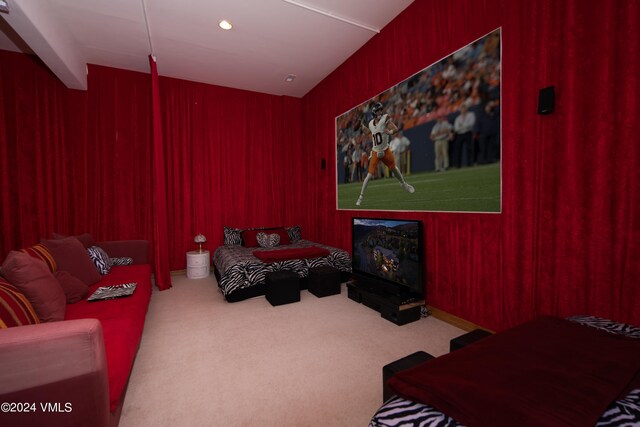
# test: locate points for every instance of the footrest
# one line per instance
(399, 365)
(282, 287)
(324, 281)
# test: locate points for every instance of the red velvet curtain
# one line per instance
(568, 238)
(227, 161)
(159, 188)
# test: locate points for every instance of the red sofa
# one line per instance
(75, 371)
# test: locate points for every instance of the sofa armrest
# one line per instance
(136, 249)
(57, 369)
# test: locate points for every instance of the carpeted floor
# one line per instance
(318, 362)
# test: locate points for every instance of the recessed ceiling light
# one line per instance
(290, 78)
(225, 25)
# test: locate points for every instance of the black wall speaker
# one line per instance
(323, 164)
(546, 100)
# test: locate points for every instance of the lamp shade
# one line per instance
(199, 239)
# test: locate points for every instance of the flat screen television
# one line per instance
(388, 254)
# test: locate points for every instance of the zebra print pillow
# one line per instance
(100, 259)
(268, 240)
(120, 261)
(232, 236)
(294, 233)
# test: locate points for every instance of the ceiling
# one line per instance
(270, 39)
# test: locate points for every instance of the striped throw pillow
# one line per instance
(40, 252)
(15, 308)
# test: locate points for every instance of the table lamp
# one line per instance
(199, 239)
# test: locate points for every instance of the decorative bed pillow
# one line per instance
(249, 237)
(15, 308)
(268, 240)
(100, 259)
(232, 236)
(73, 288)
(70, 255)
(34, 279)
(295, 233)
(125, 260)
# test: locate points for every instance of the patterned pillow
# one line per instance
(294, 233)
(100, 259)
(41, 252)
(268, 240)
(232, 236)
(15, 308)
(120, 261)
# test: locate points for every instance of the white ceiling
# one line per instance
(270, 38)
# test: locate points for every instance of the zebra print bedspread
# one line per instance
(624, 412)
(239, 269)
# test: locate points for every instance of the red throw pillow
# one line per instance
(250, 240)
(71, 256)
(74, 289)
(34, 279)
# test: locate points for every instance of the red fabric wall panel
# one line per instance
(568, 238)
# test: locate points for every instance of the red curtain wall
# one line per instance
(567, 241)
(568, 238)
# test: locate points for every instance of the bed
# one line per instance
(598, 383)
(241, 273)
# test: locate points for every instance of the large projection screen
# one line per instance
(429, 143)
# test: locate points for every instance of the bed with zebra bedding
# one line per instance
(625, 411)
(241, 275)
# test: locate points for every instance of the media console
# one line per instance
(397, 308)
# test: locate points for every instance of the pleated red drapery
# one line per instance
(160, 206)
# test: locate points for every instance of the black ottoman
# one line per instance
(282, 287)
(400, 365)
(468, 338)
(324, 281)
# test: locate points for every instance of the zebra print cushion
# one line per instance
(624, 412)
(294, 233)
(100, 259)
(121, 261)
(268, 240)
(232, 236)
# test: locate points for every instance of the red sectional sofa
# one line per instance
(74, 371)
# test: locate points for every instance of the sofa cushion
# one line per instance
(100, 259)
(74, 289)
(70, 255)
(15, 308)
(40, 252)
(85, 238)
(122, 322)
(34, 279)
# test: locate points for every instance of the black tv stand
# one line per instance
(398, 307)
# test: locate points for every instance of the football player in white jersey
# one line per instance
(381, 127)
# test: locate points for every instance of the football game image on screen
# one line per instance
(430, 142)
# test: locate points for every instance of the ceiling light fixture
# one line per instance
(225, 25)
(290, 78)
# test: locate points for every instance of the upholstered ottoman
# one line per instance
(400, 365)
(282, 287)
(324, 281)
(468, 338)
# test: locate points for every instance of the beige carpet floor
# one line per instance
(205, 362)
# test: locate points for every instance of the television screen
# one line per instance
(390, 251)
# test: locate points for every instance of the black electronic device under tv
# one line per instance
(388, 255)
